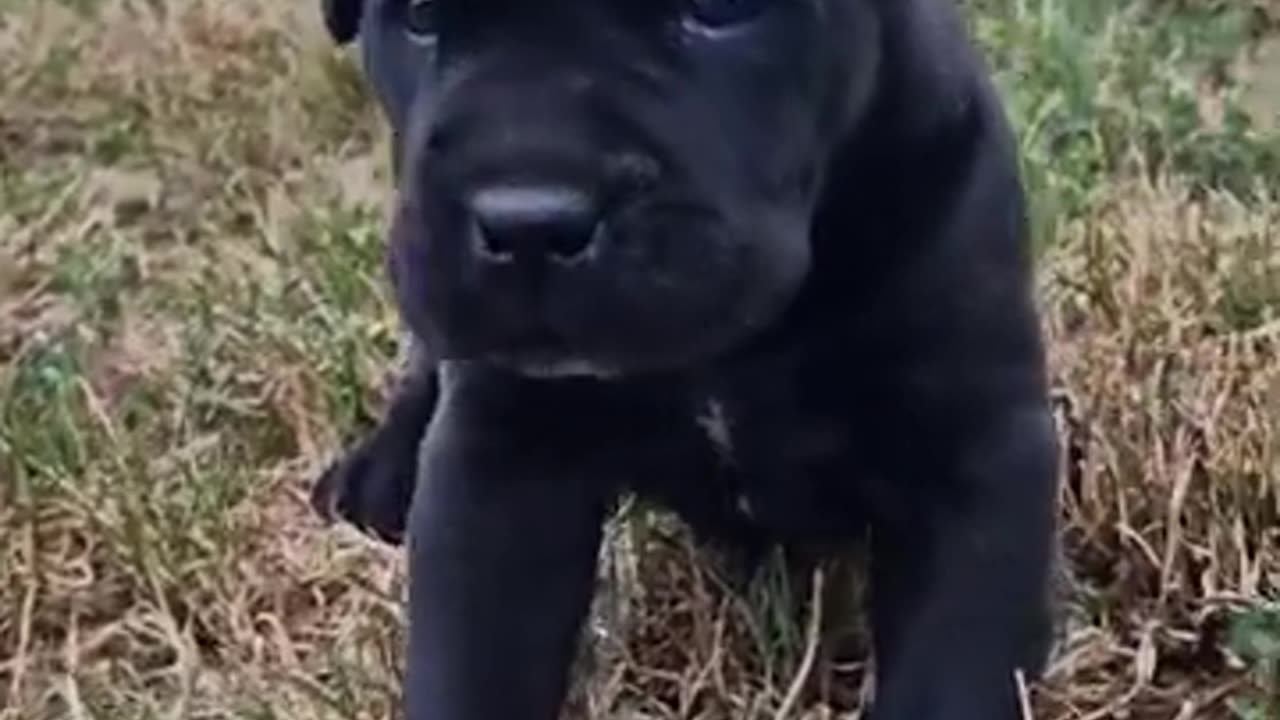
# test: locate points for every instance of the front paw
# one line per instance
(370, 490)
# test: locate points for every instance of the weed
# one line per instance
(1255, 636)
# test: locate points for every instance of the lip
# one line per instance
(558, 368)
(552, 363)
(544, 354)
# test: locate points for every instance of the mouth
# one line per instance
(560, 368)
(544, 355)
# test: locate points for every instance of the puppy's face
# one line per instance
(607, 186)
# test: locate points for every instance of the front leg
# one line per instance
(503, 537)
(371, 484)
(961, 572)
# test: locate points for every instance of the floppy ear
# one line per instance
(342, 17)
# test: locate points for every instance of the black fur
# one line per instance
(342, 19)
(807, 227)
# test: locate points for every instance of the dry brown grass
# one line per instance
(192, 317)
(1170, 385)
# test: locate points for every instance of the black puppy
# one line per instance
(619, 218)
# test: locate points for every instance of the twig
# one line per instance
(810, 650)
(1024, 694)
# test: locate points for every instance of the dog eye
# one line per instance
(721, 13)
(420, 19)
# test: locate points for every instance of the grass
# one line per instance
(193, 318)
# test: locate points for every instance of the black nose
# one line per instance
(534, 223)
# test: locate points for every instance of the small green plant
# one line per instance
(1255, 637)
(1106, 88)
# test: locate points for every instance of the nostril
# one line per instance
(535, 221)
(573, 243)
(495, 242)
(440, 138)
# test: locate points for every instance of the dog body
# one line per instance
(762, 260)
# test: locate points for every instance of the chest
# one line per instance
(790, 455)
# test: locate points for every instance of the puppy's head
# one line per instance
(606, 186)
